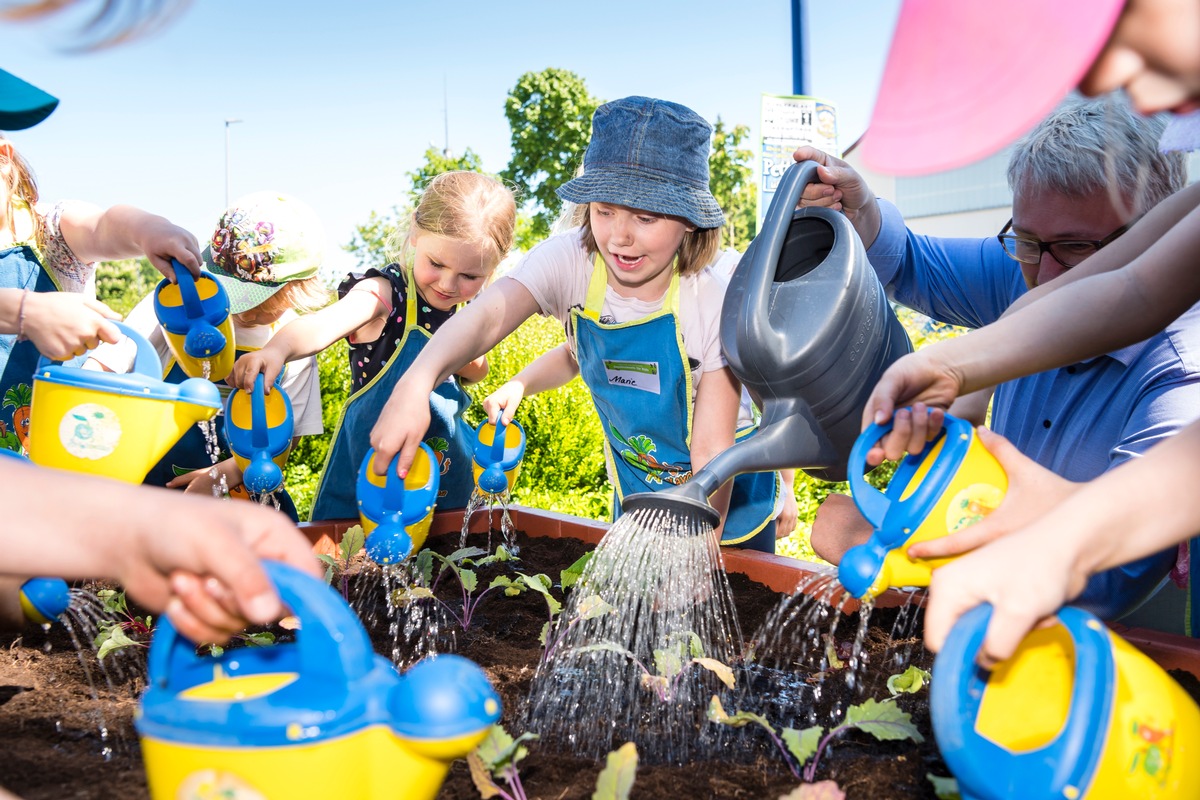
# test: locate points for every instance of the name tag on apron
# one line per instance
(634, 374)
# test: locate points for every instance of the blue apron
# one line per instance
(190, 453)
(640, 380)
(20, 268)
(449, 435)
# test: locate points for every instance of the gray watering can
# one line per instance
(807, 329)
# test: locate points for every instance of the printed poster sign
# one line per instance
(789, 121)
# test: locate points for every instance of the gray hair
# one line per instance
(1086, 146)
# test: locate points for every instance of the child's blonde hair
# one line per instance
(697, 250)
(465, 207)
(22, 187)
(304, 296)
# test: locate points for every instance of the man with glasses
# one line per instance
(1079, 181)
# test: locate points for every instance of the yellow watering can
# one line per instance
(496, 460)
(320, 717)
(194, 314)
(118, 425)
(1077, 713)
(396, 514)
(258, 427)
(952, 483)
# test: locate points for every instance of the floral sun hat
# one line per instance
(263, 241)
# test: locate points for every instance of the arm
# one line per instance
(60, 324)
(1100, 308)
(714, 422)
(309, 335)
(473, 371)
(550, 370)
(94, 234)
(785, 523)
(205, 574)
(1147, 505)
(470, 333)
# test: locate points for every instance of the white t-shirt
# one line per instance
(557, 273)
(300, 379)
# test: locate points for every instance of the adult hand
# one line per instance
(505, 399)
(841, 189)
(1032, 492)
(64, 324)
(401, 425)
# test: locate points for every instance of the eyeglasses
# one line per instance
(1068, 252)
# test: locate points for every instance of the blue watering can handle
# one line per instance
(498, 438)
(330, 631)
(146, 361)
(259, 438)
(393, 490)
(187, 291)
(957, 693)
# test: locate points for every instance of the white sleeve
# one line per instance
(555, 273)
(119, 357)
(303, 386)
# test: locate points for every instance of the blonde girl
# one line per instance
(461, 229)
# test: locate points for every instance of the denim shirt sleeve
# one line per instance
(966, 282)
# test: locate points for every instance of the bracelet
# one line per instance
(21, 317)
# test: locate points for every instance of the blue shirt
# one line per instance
(1077, 421)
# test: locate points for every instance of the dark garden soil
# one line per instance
(52, 718)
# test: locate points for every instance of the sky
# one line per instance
(337, 101)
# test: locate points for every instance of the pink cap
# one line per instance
(965, 78)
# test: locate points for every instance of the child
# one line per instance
(1127, 291)
(266, 251)
(461, 229)
(642, 315)
(46, 250)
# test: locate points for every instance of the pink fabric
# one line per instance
(964, 79)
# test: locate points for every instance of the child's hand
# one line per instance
(1032, 492)
(785, 523)
(161, 240)
(505, 399)
(198, 559)
(203, 481)
(911, 430)
(401, 425)
(63, 324)
(249, 365)
(915, 378)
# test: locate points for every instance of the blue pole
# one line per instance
(799, 51)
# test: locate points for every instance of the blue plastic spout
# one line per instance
(44, 599)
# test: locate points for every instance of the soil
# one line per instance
(52, 717)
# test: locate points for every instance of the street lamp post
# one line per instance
(228, 122)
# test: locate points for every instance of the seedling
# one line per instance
(497, 757)
(349, 561)
(671, 663)
(882, 719)
(123, 631)
(458, 563)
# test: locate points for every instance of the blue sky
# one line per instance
(339, 100)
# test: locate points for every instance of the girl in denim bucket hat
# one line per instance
(641, 313)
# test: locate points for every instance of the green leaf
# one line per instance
(543, 634)
(667, 663)
(908, 682)
(261, 639)
(883, 720)
(616, 779)
(463, 554)
(481, 776)
(802, 744)
(739, 719)
(606, 647)
(403, 596)
(593, 606)
(500, 750)
(469, 579)
(352, 541)
(215, 650)
(423, 566)
(944, 788)
(571, 575)
(116, 640)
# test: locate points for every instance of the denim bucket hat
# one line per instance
(651, 155)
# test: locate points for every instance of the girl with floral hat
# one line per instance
(641, 313)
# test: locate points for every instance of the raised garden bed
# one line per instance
(51, 719)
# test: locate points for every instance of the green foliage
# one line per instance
(497, 758)
(304, 464)
(121, 629)
(563, 467)
(550, 116)
(615, 781)
(911, 681)
(437, 162)
(944, 788)
(368, 245)
(731, 179)
(121, 284)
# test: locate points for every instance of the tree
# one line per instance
(437, 162)
(732, 183)
(550, 116)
